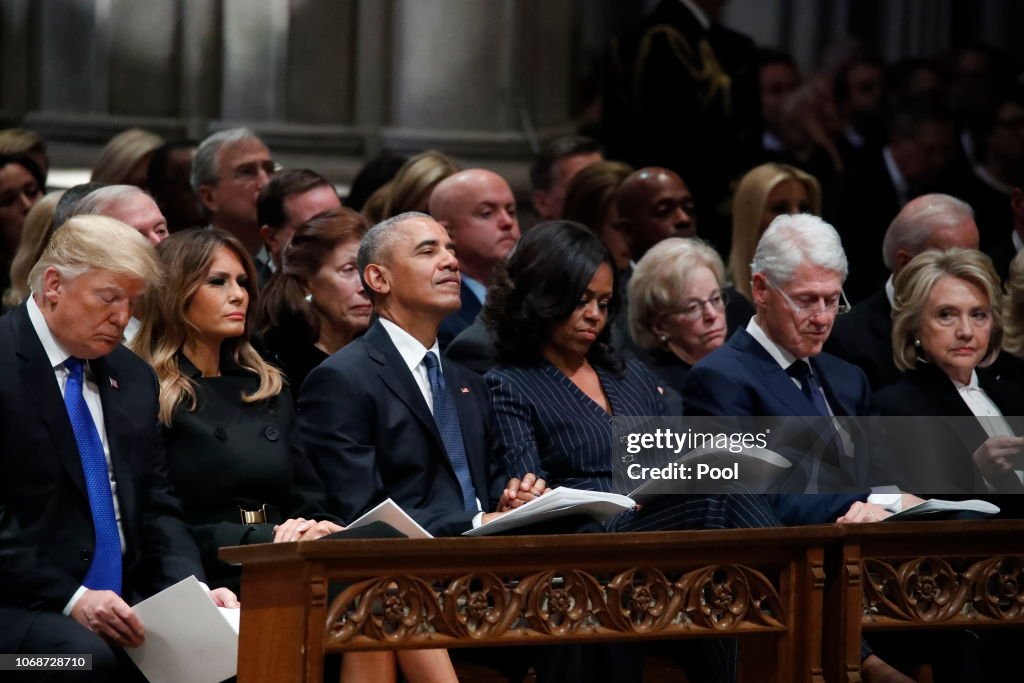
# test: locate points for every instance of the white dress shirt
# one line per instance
(91, 393)
(413, 353)
(899, 182)
(892, 502)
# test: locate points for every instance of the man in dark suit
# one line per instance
(775, 367)
(382, 418)
(479, 210)
(864, 335)
(87, 520)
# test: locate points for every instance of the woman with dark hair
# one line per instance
(316, 304)
(559, 382)
(21, 186)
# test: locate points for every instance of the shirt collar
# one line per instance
(697, 13)
(890, 292)
(972, 385)
(409, 348)
(783, 357)
(54, 351)
(898, 181)
(478, 288)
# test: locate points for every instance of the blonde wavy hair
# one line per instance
(186, 257)
(1013, 309)
(747, 206)
(914, 285)
(410, 189)
(35, 235)
(122, 154)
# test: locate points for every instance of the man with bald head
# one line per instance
(653, 204)
(478, 209)
(864, 335)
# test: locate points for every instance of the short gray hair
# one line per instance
(99, 201)
(918, 220)
(792, 240)
(376, 245)
(205, 168)
(87, 243)
(657, 283)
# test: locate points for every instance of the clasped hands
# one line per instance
(516, 493)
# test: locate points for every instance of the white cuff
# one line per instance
(74, 599)
(893, 502)
(478, 519)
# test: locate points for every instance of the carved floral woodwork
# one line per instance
(936, 589)
(554, 603)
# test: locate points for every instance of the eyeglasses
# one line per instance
(832, 305)
(694, 309)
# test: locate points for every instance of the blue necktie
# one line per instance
(105, 571)
(451, 434)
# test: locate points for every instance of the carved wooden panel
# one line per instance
(561, 604)
(944, 590)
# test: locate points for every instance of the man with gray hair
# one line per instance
(131, 206)
(775, 367)
(384, 418)
(228, 172)
(88, 524)
(864, 337)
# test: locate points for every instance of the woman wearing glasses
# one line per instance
(947, 325)
(559, 382)
(677, 306)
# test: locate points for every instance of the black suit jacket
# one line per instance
(474, 348)
(1002, 256)
(363, 423)
(864, 337)
(46, 532)
(941, 449)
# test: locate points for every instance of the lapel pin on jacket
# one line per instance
(113, 383)
(465, 390)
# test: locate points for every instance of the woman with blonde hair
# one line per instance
(765, 192)
(677, 306)
(35, 235)
(125, 159)
(410, 189)
(947, 327)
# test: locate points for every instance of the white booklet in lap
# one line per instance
(934, 506)
(389, 513)
(188, 638)
(559, 502)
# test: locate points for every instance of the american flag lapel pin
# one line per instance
(465, 390)
(113, 383)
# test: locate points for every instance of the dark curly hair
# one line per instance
(540, 286)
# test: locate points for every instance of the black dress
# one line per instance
(227, 454)
(293, 349)
(945, 446)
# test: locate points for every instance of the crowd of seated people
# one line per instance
(196, 308)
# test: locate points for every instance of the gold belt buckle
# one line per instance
(254, 516)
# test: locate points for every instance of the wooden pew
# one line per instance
(765, 586)
(920, 576)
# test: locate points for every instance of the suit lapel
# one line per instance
(37, 377)
(396, 376)
(775, 379)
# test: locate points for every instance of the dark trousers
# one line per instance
(50, 633)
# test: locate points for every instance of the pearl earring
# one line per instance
(663, 338)
(309, 298)
(917, 342)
